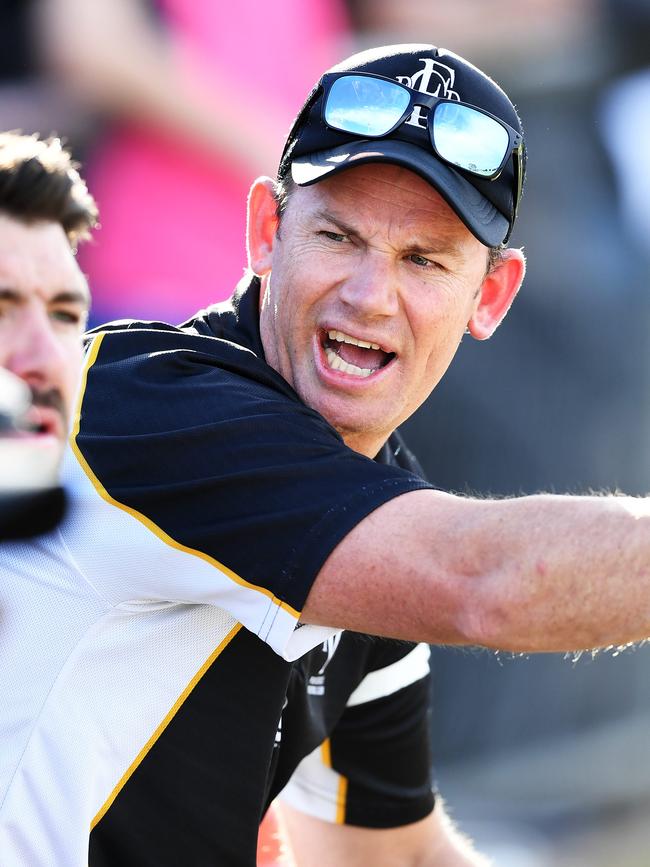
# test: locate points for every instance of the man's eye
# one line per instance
(334, 236)
(420, 261)
(67, 317)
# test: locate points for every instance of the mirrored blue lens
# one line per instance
(365, 106)
(468, 138)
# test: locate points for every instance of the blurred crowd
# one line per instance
(175, 105)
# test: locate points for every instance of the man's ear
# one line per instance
(497, 293)
(261, 225)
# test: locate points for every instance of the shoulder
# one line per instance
(150, 376)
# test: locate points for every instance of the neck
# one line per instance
(364, 443)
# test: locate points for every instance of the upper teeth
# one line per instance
(345, 338)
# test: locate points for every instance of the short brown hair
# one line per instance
(40, 181)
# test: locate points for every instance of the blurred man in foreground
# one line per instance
(45, 210)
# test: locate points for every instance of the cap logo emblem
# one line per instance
(435, 79)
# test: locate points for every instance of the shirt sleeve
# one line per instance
(375, 768)
(199, 476)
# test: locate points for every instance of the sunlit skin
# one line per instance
(44, 303)
(376, 253)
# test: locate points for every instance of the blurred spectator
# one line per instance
(503, 33)
(200, 95)
(625, 116)
(45, 211)
(29, 100)
(625, 121)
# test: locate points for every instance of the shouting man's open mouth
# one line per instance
(352, 355)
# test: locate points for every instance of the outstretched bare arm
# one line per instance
(540, 573)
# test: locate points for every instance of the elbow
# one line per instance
(485, 617)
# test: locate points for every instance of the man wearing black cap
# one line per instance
(444, 104)
(240, 494)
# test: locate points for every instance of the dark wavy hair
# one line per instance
(40, 181)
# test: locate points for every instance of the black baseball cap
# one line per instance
(314, 150)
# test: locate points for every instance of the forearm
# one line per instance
(432, 842)
(558, 573)
(448, 846)
(541, 573)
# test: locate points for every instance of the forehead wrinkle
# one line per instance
(413, 240)
(436, 226)
(42, 270)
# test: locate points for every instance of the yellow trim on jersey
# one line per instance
(326, 753)
(163, 725)
(342, 789)
(341, 800)
(148, 523)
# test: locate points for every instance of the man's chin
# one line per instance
(360, 431)
(29, 461)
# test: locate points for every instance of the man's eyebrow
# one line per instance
(70, 296)
(427, 246)
(65, 296)
(337, 221)
(441, 247)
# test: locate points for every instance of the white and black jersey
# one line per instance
(157, 689)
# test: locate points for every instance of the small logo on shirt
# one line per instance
(278, 734)
(316, 683)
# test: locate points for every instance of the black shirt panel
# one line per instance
(382, 749)
(190, 428)
(197, 434)
(197, 797)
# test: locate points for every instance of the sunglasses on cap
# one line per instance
(462, 135)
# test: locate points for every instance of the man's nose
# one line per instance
(34, 350)
(373, 288)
